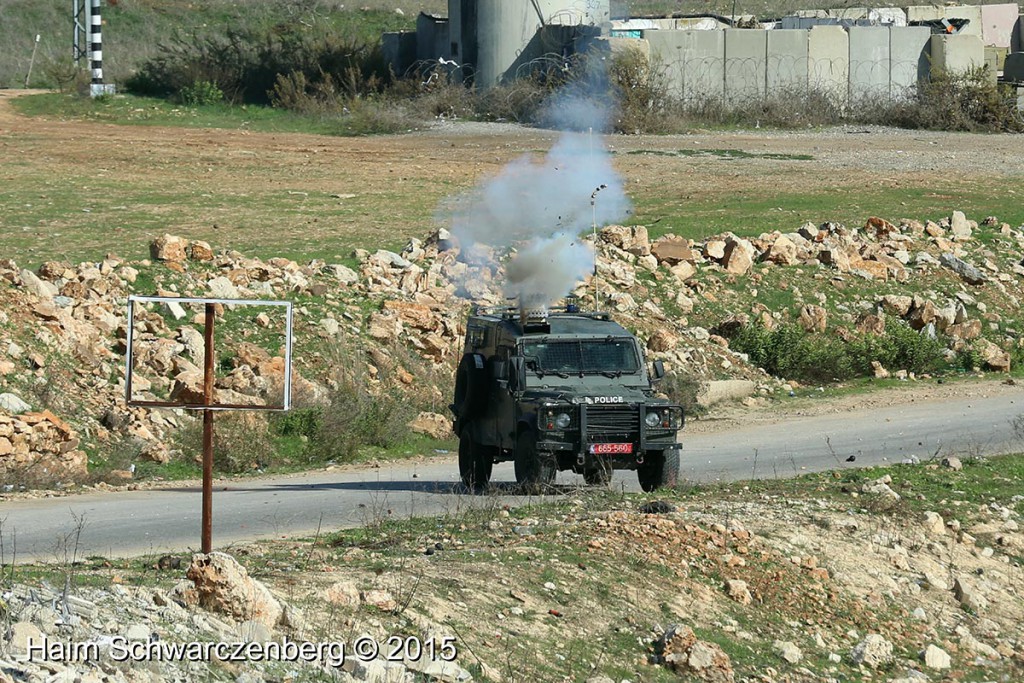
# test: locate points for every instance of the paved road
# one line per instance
(164, 520)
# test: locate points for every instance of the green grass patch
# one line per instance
(133, 110)
(769, 206)
(723, 154)
(922, 487)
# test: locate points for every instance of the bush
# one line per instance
(200, 93)
(788, 351)
(520, 101)
(241, 442)
(374, 410)
(643, 102)
(246, 64)
(298, 422)
(358, 417)
(969, 101)
(682, 389)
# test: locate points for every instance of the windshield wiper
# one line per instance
(611, 374)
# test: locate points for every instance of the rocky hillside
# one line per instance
(908, 575)
(394, 322)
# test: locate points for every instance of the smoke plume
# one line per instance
(546, 203)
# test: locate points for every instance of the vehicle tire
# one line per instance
(470, 386)
(659, 469)
(599, 475)
(533, 472)
(475, 463)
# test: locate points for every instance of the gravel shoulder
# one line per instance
(724, 417)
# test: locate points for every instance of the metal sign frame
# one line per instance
(208, 406)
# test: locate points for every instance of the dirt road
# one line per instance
(157, 520)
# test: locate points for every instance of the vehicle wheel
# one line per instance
(599, 475)
(660, 468)
(470, 386)
(475, 463)
(532, 471)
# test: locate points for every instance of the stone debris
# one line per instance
(738, 591)
(684, 653)
(418, 299)
(934, 524)
(787, 651)
(13, 404)
(874, 651)
(169, 248)
(38, 448)
(434, 425)
(934, 657)
(953, 463)
(223, 586)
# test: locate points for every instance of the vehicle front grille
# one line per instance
(613, 420)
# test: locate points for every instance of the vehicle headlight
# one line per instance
(672, 418)
(556, 417)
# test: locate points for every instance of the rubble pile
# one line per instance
(63, 327)
(131, 634)
(772, 587)
(39, 447)
(881, 253)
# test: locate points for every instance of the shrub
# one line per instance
(376, 116)
(246, 64)
(241, 442)
(200, 93)
(520, 101)
(968, 101)
(788, 351)
(298, 422)
(683, 388)
(643, 102)
(373, 410)
(358, 417)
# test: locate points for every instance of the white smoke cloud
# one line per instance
(545, 202)
(547, 268)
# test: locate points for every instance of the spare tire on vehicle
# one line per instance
(470, 386)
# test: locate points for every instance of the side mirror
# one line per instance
(658, 372)
(517, 373)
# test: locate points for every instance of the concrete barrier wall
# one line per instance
(828, 61)
(957, 53)
(908, 59)
(693, 62)
(741, 65)
(399, 50)
(787, 67)
(432, 41)
(998, 23)
(667, 53)
(869, 62)
(745, 64)
(930, 13)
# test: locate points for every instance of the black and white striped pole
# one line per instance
(97, 86)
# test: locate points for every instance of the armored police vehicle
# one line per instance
(560, 390)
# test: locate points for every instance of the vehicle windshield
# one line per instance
(609, 356)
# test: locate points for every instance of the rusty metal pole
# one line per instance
(208, 377)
